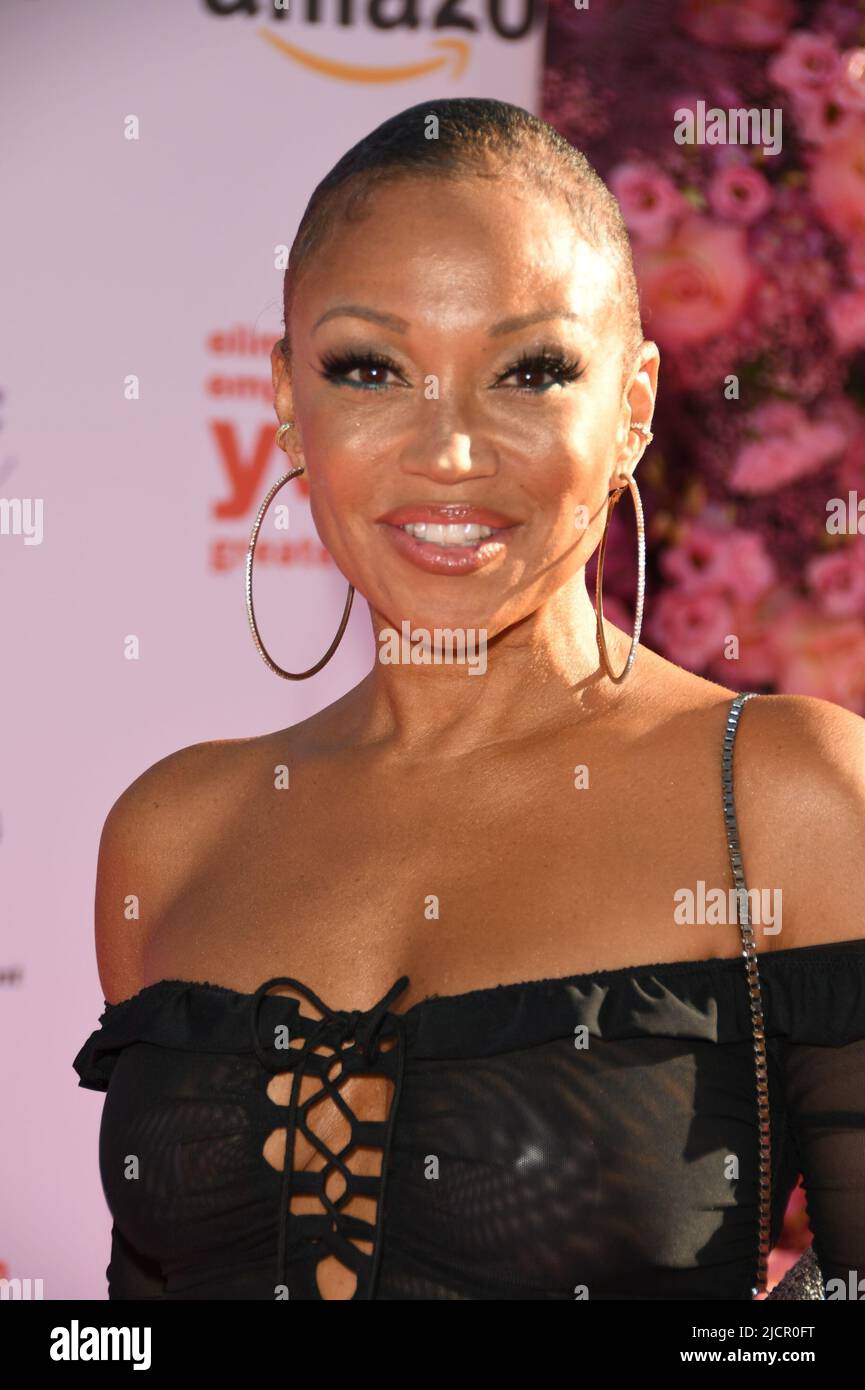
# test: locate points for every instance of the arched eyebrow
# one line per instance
(523, 320)
(398, 325)
(359, 311)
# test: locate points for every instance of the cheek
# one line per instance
(337, 460)
(569, 470)
(570, 491)
(342, 494)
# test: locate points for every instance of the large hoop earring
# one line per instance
(250, 556)
(641, 578)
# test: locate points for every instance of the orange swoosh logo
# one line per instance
(456, 53)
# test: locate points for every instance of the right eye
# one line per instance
(336, 367)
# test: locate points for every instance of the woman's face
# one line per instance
(412, 406)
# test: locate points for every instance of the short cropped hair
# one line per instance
(481, 138)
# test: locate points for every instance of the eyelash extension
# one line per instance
(564, 369)
(336, 366)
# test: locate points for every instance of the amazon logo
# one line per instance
(449, 52)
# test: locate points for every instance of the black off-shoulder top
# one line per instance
(593, 1136)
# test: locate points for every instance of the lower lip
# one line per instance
(449, 559)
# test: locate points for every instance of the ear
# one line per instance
(280, 375)
(638, 405)
(283, 400)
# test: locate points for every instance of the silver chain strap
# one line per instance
(755, 999)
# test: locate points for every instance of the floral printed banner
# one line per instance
(733, 134)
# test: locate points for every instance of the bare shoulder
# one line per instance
(807, 746)
(829, 736)
(783, 737)
(151, 840)
(165, 825)
(799, 782)
(799, 795)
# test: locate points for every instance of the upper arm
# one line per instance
(799, 786)
(824, 1090)
(825, 1102)
(803, 768)
(145, 850)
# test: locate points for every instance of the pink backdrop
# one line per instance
(139, 258)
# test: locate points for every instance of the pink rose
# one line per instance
(850, 469)
(737, 23)
(806, 63)
(740, 192)
(692, 628)
(776, 417)
(693, 561)
(649, 200)
(838, 580)
(820, 656)
(734, 562)
(851, 86)
(787, 446)
(838, 183)
(755, 662)
(750, 570)
(845, 314)
(820, 120)
(695, 285)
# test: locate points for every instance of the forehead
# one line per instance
(459, 255)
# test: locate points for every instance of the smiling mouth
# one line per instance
(452, 534)
(449, 548)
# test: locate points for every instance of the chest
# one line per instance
(346, 876)
(628, 1168)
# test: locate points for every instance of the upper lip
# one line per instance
(447, 514)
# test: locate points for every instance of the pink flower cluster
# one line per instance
(728, 612)
(826, 87)
(741, 23)
(695, 264)
(784, 445)
(734, 261)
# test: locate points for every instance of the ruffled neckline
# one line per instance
(812, 994)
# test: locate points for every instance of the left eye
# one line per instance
(559, 368)
(337, 367)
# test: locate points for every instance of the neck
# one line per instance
(537, 675)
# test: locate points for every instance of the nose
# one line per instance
(449, 460)
(446, 448)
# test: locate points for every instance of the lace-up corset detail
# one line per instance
(335, 1051)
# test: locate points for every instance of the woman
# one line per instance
(451, 955)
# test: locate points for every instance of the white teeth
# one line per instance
(461, 533)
